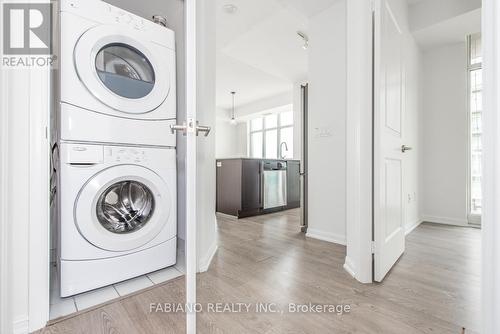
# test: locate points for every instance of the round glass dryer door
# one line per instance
(120, 71)
(123, 208)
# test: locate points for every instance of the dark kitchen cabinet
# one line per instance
(239, 190)
(251, 187)
(240, 186)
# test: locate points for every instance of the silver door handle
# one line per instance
(178, 127)
(205, 129)
(405, 148)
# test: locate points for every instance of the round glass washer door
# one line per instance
(125, 207)
(120, 71)
(122, 208)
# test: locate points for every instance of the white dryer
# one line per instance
(117, 214)
(117, 76)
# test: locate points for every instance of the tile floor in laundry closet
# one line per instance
(60, 307)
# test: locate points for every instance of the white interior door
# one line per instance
(192, 130)
(389, 235)
(190, 12)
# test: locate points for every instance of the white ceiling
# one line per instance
(259, 52)
(249, 83)
(450, 31)
(412, 2)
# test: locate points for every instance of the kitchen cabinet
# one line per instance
(240, 186)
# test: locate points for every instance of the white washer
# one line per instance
(117, 76)
(117, 214)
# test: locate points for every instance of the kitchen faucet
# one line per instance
(281, 150)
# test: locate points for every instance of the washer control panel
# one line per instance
(125, 155)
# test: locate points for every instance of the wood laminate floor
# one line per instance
(434, 288)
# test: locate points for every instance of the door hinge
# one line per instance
(373, 247)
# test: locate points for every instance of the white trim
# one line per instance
(225, 215)
(349, 267)
(190, 10)
(474, 220)
(326, 236)
(207, 259)
(409, 228)
(445, 220)
(490, 278)
(21, 325)
(39, 184)
(5, 320)
(359, 139)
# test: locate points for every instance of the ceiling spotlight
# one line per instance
(230, 8)
(305, 39)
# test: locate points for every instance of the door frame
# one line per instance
(191, 156)
(35, 119)
(359, 149)
(490, 277)
(359, 158)
(5, 318)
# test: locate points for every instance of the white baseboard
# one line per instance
(445, 220)
(21, 325)
(349, 267)
(225, 215)
(205, 262)
(326, 236)
(409, 228)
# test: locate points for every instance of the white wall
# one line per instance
(230, 140)
(445, 134)
(327, 124)
(412, 132)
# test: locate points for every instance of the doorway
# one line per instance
(427, 127)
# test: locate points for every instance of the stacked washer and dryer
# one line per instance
(117, 159)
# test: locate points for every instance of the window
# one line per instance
(271, 136)
(475, 122)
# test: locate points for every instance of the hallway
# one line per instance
(433, 289)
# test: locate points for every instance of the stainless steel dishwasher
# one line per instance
(274, 177)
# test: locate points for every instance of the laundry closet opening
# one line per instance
(117, 225)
